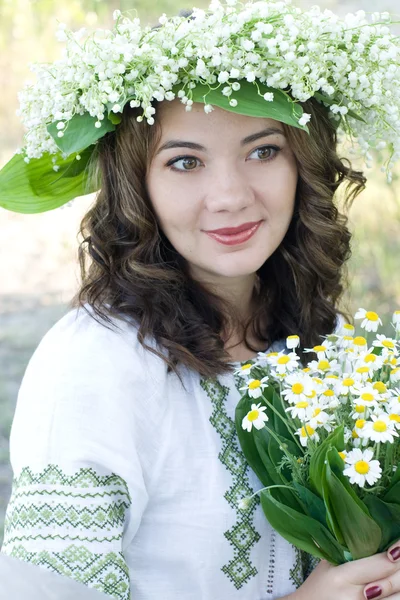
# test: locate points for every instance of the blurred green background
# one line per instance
(38, 253)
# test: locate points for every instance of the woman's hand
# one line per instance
(371, 578)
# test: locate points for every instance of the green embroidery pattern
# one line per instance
(242, 536)
(296, 572)
(75, 521)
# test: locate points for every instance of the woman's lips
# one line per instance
(235, 238)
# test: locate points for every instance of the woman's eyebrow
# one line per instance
(194, 146)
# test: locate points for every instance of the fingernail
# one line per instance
(373, 592)
(395, 553)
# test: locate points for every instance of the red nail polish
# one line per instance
(373, 592)
(395, 553)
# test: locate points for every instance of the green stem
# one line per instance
(378, 449)
(285, 421)
(281, 446)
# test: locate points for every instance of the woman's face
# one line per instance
(210, 177)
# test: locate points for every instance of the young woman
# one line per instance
(127, 469)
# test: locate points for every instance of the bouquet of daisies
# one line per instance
(324, 440)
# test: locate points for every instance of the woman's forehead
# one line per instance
(176, 121)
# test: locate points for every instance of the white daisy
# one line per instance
(362, 374)
(367, 396)
(299, 409)
(370, 360)
(318, 417)
(306, 435)
(300, 386)
(380, 429)
(361, 412)
(361, 468)
(359, 345)
(292, 342)
(395, 375)
(329, 397)
(396, 319)
(244, 369)
(322, 351)
(284, 363)
(371, 320)
(346, 330)
(347, 384)
(255, 387)
(255, 417)
(324, 365)
(388, 344)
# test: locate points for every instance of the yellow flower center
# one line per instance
(380, 387)
(360, 423)
(363, 370)
(394, 417)
(348, 327)
(348, 338)
(331, 377)
(348, 382)
(323, 365)
(361, 467)
(302, 404)
(328, 393)
(293, 337)
(316, 412)
(253, 415)
(388, 344)
(297, 388)
(317, 380)
(367, 397)
(391, 361)
(246, 366)
(370, 358)
(342, 454)
(359, 341)
(253, 385)
(360, 409)
(314, 393)
(319, 348)
(354, 434)
(306, 369)
(379, 426)
(272, 354)
(371, 316)
(283, 360)
(310, 431)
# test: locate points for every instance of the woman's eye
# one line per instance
(266, 153)
(189, 163)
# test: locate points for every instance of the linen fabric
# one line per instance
(129, 483)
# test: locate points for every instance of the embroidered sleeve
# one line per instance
(72, 524)
(76, 448)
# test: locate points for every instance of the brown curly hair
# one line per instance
(135, 273)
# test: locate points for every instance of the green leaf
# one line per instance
(331, 101)
(335, 440)
(300, 530)
(262, 439)
(35, 187)
(388, 518)
(393, 491)
(360, 533)
(315, 507)
(250, 103)
(79, 133)
(247, 443)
